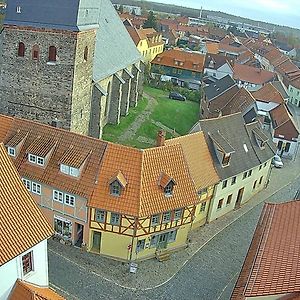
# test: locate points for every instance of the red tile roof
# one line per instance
(22, 224)
(180, 59)
(271, 266)
(252, 74)
(268, 93)
(26, 291)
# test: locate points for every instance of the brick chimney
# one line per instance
(161, 137)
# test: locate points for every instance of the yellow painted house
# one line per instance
(147, 40)
(144, 203)
(202, 171)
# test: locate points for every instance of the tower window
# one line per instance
(52, 53)
(21, 49)
(35, 52)
(86, 53)
(18, 9)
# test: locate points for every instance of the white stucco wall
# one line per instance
(294, 95)
(12, 270)
(266, 106)
(219, 73)
(247, 183)
(292, 150)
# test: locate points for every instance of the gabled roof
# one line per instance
(172, 58)
(142, 195)
(215, 61)
(165, 179)
(268, 93)
(271, 266)
(68, 147)
(234, 131)
(198, 158)
(22, 224)
(283, 123)
(281, 89)
(219, 87)
(26, 291)
(252, 74)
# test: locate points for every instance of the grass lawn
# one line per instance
(178, 115)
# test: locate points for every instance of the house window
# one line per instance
(169, 189)
(279, 145)
(36, 188)
(224, 184)
(69, 200)
(36, 159)
(18, 9)
(35, 52)
(140, 245)
(63, 227)
(229, 198)
(27, 263)
(220, 203)
(249, 173)
(40, 160)
(166, 217)
(74, 172)
(202, 207)
(52, 54)
(86, 53)
(64, 169)
(21, 49)
(58, 196)
(11, 151)
(27, 184)
(178, 214)
(115, 219)
(100, 215)
(32, 158)
(115, 188)
(245, 175)
(155, 220)
(287, 147)
(154, 240)
(233, 180)
(260, 179)
(172, 236)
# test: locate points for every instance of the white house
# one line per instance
(24, 232)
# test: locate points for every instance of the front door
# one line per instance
(163, 241)
(239, 198)
(96, 241)
(79, 235)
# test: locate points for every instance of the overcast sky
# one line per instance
(283, 12)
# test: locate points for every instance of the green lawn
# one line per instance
(176, 115)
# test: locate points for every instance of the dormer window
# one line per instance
(68, 170)
(167, 183)
(117, 184)
(260, 138)
(226, 159)
(11, 151)
(38, 160)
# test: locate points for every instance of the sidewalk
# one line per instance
(151, 273)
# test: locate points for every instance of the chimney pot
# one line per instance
(161, 137)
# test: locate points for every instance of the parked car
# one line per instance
(177, 96)
(277, 162)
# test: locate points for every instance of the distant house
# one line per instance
(284, 131)
(271, 266)
(242, 155)
(251, 78)
(182, 67)
(218, 66)
(148, 41)
(224, 97)
(294, 91)
(286, 49)
(24, 232)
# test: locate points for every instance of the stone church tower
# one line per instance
(56, 64)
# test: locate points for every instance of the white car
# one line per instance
(277, 162)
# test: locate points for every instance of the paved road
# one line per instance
(210, 274)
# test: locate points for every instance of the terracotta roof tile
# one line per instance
(26, 291)
(268, 93)
(272, 264)
(22, 223)
(212, 48)
(198, 158)
(252, 74)
(190, 61)
(68, 147)
(5, 123)
(164, 179)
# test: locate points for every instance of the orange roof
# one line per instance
(198, 158)
(143, 196)
(26, 291)
(68, 147)
(5, 123)
(268, 93)
(212, 48)
(271, 266)
(252, 74)
(22, 224)
(180, 59)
